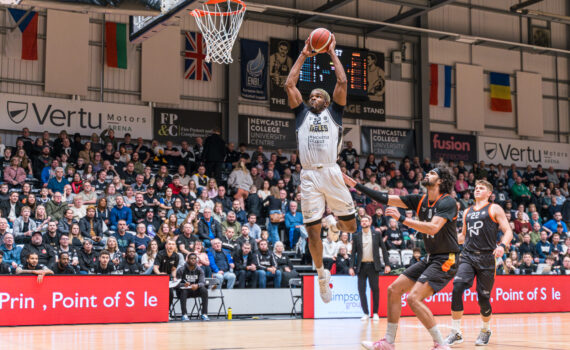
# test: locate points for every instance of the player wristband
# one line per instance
(402, 218)
(503, 245)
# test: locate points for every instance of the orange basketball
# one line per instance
(320, 39)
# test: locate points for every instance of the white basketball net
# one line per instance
(219, 22)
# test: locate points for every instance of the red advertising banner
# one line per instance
(511, 294)
(85, 299)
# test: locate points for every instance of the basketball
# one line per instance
(320, 39)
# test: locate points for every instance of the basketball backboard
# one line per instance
(144, 27)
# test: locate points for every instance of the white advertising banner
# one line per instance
(345, 301)
(495, 150)
(85, 117)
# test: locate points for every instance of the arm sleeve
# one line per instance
(446, 208)
(411, 201)
(376, 195)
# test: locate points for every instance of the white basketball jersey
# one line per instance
(319, 136)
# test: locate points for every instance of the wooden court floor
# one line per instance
(520, 331)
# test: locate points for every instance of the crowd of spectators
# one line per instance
(108, 206)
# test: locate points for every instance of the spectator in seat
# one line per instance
(527, 267)
(92, 226)
(51, 237)
(64, 224)
(245, 237)
(105, 266)
(208, 228)
(11, 252)
(344, 242)
(45, 253)
(565, 269)
(203, 260)
(200, 178)
(221, 263)
(543, 247)
(130, 265)
(15, 175)
(32, 266)
(526, 246)
(12, 208)
(58, 182)
(284, 265)
(147, 260)
(245, 269)
(121, 212)
(520, 192)
(222, 198)
(112, 248)
(231, 222)
(553, 223)
(141, 241)
(330, 251)
(556, 245)
(187, 239)
(254, 229)
(124, 238)
(295, 227)
(506, 268)
(204, 201)
(266, 265)
(66, 247)
(88, 195)
(240, 182)
(229, 242)
(56, 208)
(88, 258)
(342, 261)
(395, 237)
(241, 215)
(24, 226)
(254, 205)
(78, 208)
(62, 266)
(193, 285)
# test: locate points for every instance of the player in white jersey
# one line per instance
(319, 136)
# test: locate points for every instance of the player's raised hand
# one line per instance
(349, 181)
(307, 49)
(332, 46)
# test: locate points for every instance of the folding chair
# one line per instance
(394, 258)
(171, 312)
(295, 284)
(215, 292)
(407, 256)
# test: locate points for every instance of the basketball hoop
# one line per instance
(219, 21)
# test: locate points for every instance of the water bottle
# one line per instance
(229, 313)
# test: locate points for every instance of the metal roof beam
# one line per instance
(328, 7)
(422, 4)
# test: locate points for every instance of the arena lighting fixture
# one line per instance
(466, 40)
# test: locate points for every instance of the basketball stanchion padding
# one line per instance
(219, 21)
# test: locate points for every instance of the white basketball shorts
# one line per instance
(321, 186)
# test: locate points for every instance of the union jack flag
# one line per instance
(195, 65)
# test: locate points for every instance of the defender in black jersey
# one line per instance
(481, 225)
(437, 212)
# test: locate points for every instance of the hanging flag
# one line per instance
(500, 92)
(195, 65)
(440, 92)
(116, 44)
(22, 41)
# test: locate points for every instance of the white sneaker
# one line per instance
(375, 318)
(324, 286)
(364, 318)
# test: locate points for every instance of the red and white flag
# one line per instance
(22, 40)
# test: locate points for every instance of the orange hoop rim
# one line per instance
(202, 13)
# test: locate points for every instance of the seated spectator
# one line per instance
(178, 210)
(24, 226)
(105, 266)
(45, 253)
(112, 248)
(15, 175)
(221, 263)
(204, 201)
(12, 208)
(294, 226)
(51, 237)
(240, 182)
(507, 267)
(151, 222)
(147, 260)
(330, 251)
(64, 224)
(65, 246)
(203, 260)
(200, 178)
(130, 265)
(527, 267)
(56, 208)
(520, 222)
(342, 261)
(63, 266)
(88, 195)
(77, 239)
(266, 266)
(167, 260)
(229, 242)
(124, 238)
(526, 246)
(88, 257)
(254, 229)
(164, 233)
(231, 222)
(193, 285)
(208, 228)
(186, 240)
(245, 237)
(121, 212)
(556, 245)
(245, 268)
(78, 209)
(535, 233)
(11, 252)
(241, 215)
(254, 205)
(565, 269)
(141, 241)
(92, 226)
(57, 183)
(223, 199)
(543, 247)
(553, 223)
(566, 246)
(284, 265)
(32, 266)
(416, 257)
(395, 237)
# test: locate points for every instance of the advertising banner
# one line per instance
(454, 147)
(280, 63)
(182, 124)
(267, 132)
(511, 294)
(81, 300)
(495, 150)
(254, 69)
(84, 117)
(394, 143)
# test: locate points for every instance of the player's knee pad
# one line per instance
(484, 304)
(457, 296)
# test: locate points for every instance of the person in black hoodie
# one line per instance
(105, 265)
(88, 258)
(254, 205)
(266, 266)
(130, 265)
(33, 267)
(284, 265)
(62, 266)
(46, 254)
(245, 266)
(342, 261)
(193, 285)
(214, 154)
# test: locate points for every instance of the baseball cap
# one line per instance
(36, 233)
